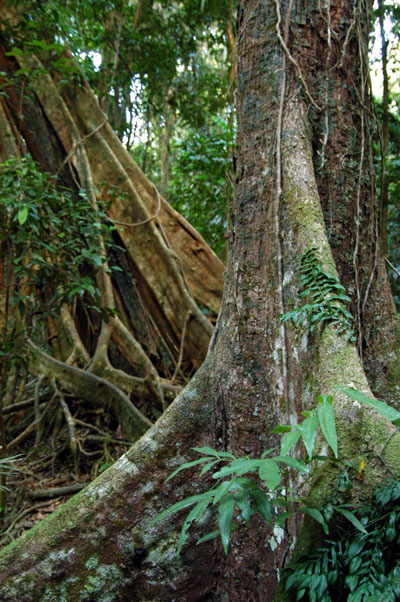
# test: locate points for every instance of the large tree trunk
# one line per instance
(168, 270)
(257, 373)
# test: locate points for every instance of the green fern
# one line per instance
(326, 298)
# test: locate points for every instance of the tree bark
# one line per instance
(169, 270)
(384, 200)
(329, 44)
(257, 373)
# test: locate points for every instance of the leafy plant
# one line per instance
(324, 417)
(49, 237)
(198, 182)
(327, 298)
(355, 566)
(243, 493)
(238, 497)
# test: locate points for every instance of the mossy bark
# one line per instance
(335, 67)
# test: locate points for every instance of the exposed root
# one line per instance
(92, 388)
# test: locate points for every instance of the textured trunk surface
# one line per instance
(99, 546)
(330, 46)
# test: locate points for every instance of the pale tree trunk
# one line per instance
(169, 270)
(257, 373)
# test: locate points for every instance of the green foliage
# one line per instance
(355, 566)
(238, 497)
(323, 416)
(238, 492)
(162, 76)
(174, 47)
(198, 179)
(50, 239)
(326, 298)
(381, 407)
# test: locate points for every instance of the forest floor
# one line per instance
(55, 451)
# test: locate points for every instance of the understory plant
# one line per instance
(51, 256)
(352, 565)
(49, 240)
(246, 486)
(49, 236)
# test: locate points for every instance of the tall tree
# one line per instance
(303, 172)
(54, 122)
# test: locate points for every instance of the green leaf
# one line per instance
(211, 535)
(326, 415)
(207, 467)
(188, 501)
(96, 259)
(213, 452)
(355, 547)
(187, 465)
(281, 518)
(243, 483)
(351, 582)
(269, 472)
(238, 467)
(352, 518)
(384, 410)
(308, 430)
(262, 504)
(293, 463)
(223, 488)
(355, 564)
(243, 501)
(194, 515)
(288, 440)
(282, 428)
(225, 515)
(316, 515)
(182, 538)
(22, 215)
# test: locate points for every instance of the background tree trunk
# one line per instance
(161, 334)
(257, 373)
